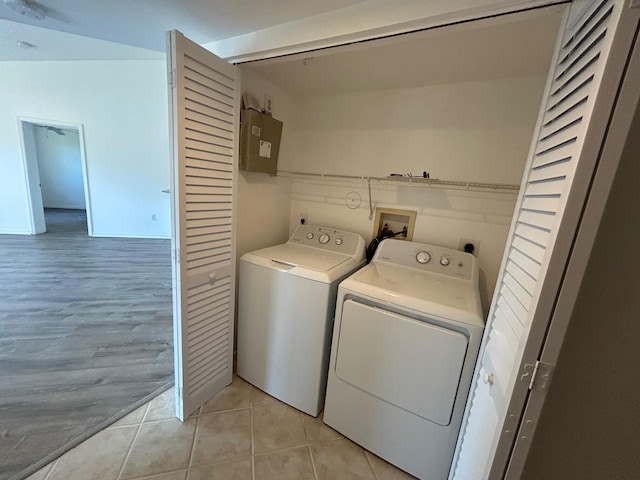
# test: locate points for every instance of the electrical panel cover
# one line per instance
(259, 142)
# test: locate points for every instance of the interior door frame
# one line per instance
(32, 170)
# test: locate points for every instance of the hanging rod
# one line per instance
(406, 181)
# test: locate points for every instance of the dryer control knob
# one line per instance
(338, 241)
(444, 261)
(324, 238)
(310, 235)
(423, 257)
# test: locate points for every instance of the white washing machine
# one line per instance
(286, 303)
(405, 341)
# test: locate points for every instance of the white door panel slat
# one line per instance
(194, 232)
(513, 325)
(207, 290)
(582, 51)
(211, 221)
(199, 99)
(207, 199)
(198, 241)
(547, 187)
(204, 138)
(529, 249)
(198, 176)
(208, 160)
(200, 267)
(207, 129)
(197, 116)
(578, 58)
(195, 110)
(503, 305)
(522, 277)
(503, 326)
(538, 236)
(526, 263)
(208, 190)
(194, 206)
(551, 171)
(210, 253)
(225, 79)
(209, 79)
(576, 79)
(197, 249)
(517, 308)
(541, 204)
(564, 133)
(573, 102)
(598, 11)
(198, 302)
(212, 148)
(208, 214)
(204, 111)
(197, 83)
(565, 123)
(518, 291)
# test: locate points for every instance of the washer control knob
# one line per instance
(423, 257)
(338, 241)
(324, 238)
(310, 235)
(444, 261)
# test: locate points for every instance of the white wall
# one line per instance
(478, 132)
(123, 108)
(60, 168)
(263, 201)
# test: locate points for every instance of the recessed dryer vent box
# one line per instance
(395, 220)
(259, 142)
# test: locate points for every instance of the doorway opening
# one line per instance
(55, 174)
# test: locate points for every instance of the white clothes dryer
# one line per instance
(286, 303)
(406, 337)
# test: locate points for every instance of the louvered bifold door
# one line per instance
(204, 111)
(534, 253)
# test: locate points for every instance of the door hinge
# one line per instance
(176, 255)
(171, 78)
(538, 375)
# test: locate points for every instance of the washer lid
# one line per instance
(301, 256)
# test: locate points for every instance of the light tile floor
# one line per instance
(241, 434)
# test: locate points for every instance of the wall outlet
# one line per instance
(154, 217)
(303, 218)
(464, 241)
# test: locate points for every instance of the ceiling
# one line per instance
(516, 45)
(143, 23)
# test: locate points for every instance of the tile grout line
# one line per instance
(53, 465)
(133, 441)
(368, 457)
(253, 446)
(193, 444)
(308, 439)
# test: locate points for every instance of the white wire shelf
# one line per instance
(354, 180)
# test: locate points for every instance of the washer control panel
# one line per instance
(433, 258)
(327, 238)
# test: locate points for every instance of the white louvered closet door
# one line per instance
(525, 288)
(204, 116)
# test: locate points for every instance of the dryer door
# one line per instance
(411, 364)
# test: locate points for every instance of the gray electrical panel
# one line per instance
(259, 142)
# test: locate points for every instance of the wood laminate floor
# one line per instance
(85, 334)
